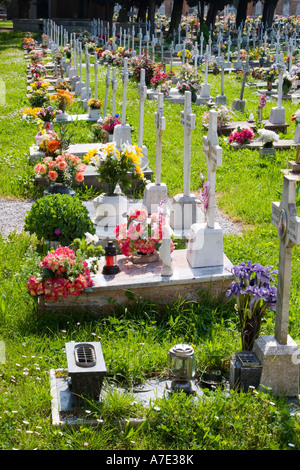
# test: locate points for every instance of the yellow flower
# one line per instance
(87, 157)
(31, 111)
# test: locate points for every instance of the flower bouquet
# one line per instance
(61, 169)
(44, 136)
(93, 103)
(47, 114)
(61, 274)
(39, 84)
(224, 116)
(38, 98)
(286, 83)
(141, 235)
(63, 85)
(110, 122)
(267, 137)
(189, 79)
(254, 295)
(38, 71)
(241, 135)
(36, 56)
(114, 166)
(64, 99)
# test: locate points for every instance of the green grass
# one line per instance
(135, 340)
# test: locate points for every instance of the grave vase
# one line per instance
(59, 188)
(94, 113)
(269, 85)
(194, 97)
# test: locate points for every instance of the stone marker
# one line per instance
(157, 192)
(122, 132)
(114, 86)
(239, 104)
(79, 84)
(222, 99)
(107, 84)
(277, 114)
(183, 211)
(205, 247)
(205, 90)
(86, 91)
(279, 354)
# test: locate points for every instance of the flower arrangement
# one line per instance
(39, 84)
(263, 100)
(93, 103)
(241, 136)
(36, 56)
(143, 62)
(67, 51)
(286, 83)
(62, 169)
(270, 74)
(159, 78)
(43, 136)
(30, 113)
(267, 137)
(64, 99)
(110, 122)
(296, 116)
(63, 85)
(38, 98)
(113, 165)
(188, 55)
(141, 234)
(254, 295)
(38, 71)
(224, 116)
(189, 79)
(47, 114)
(61, 274)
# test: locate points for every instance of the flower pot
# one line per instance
(269, 85)
(59, 188)
(194, 97)
(94, 113)
(110, 210)
(145, 258)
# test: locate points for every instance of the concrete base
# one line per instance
(267, 151)
(238, 105)
(183, 212)
(297, 134)
(205, 246)
(154, 194)
(277, 116)
(122, 134)
(221, 99)
(110, 210)
(205, 91)
(146, 282)
(280, 365)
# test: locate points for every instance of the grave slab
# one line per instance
(145, 281)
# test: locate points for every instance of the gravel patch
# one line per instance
(13, 213)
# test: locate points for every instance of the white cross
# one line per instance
(284, 217)
(96, 75)
(213, 152)
(125, 81)
(187, 120)
(114, 85)
(107, 82)
(160, 122)
(142, 97)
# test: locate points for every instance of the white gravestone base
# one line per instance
(238, 105)
(280, 365)
(205, 246)
(277, 116)
(122, 134)
(296, 138)
(110, 210)
(221, 100)
(183, 212)
(154, 194)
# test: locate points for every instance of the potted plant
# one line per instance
(62, 273)
(115, 167)
(64, 99)
(60, 172)
(58, 218)
(141, 236)
(254, 294)
(109, 124)
(267, 137)
(94, 107)
(241, 136)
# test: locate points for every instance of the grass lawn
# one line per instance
(135, 341)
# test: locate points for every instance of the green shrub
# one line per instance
(58, 217)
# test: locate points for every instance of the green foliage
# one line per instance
(58, 217)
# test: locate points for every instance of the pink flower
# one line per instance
(79, 177)
(53, 175)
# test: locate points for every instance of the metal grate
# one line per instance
(85, 355)
(248, 359)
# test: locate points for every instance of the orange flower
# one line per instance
(79, 177)
(53, 145)
(53, 175)
(62, 165)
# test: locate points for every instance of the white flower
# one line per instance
(89, 238)
(266, 135)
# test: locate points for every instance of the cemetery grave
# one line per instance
(193, 252)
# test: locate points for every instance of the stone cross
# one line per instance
(114, 86)
(281, 70)
(142, 98)
(171, 55)
(187, 120)
(160, 122)
(107, 83)
(246, 70)
(228, 49)
(124, 81)
(201, 44)
(140, 42)
(213, 152)
(96, 75)
(196, 54)
(206, 64)
(284, 217)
